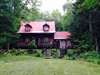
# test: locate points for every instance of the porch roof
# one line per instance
(62, 35)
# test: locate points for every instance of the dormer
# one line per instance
(28, 28)
(46, 27)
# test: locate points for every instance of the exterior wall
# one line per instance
(62, 44)
(45, 42)
(41, 40)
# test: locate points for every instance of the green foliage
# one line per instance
(91, 57)
(72, 54)
(16, 52)
(84, 24)
(55, 15)
(67, 17)
(8, 21)
(11, 12)
(32, 45)
(38, 53)
(90, 4)
(54, 53)
(66, 21)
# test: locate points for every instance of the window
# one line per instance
(28, 28)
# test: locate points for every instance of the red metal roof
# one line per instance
(62, 35)
(37, 27)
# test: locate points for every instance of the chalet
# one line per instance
(44, 34)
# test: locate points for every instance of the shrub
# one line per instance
(91, 56)
(38, 53)
(71, 54)
(16, 52)
(54, 53)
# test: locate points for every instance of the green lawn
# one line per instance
(29, 65)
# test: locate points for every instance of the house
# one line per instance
(45, 34)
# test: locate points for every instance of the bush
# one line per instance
(38, 53)
(31, 51)
(71, 54)
(54, 53)
(16, 52)
(91, 56)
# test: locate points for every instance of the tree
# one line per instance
(68, 15)
(85, 25)
(11, 12)
(31, 10)
(8, 17)
(55, 15)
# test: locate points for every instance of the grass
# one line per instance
(29, 65)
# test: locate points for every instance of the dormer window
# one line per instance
(28, 28)
(46, 27)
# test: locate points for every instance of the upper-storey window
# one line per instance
(46, 27)
(28, 28)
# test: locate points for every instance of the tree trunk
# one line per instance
(96, 45)
(91, 33)
(8, 46)
(94, 33)
(90, 26)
